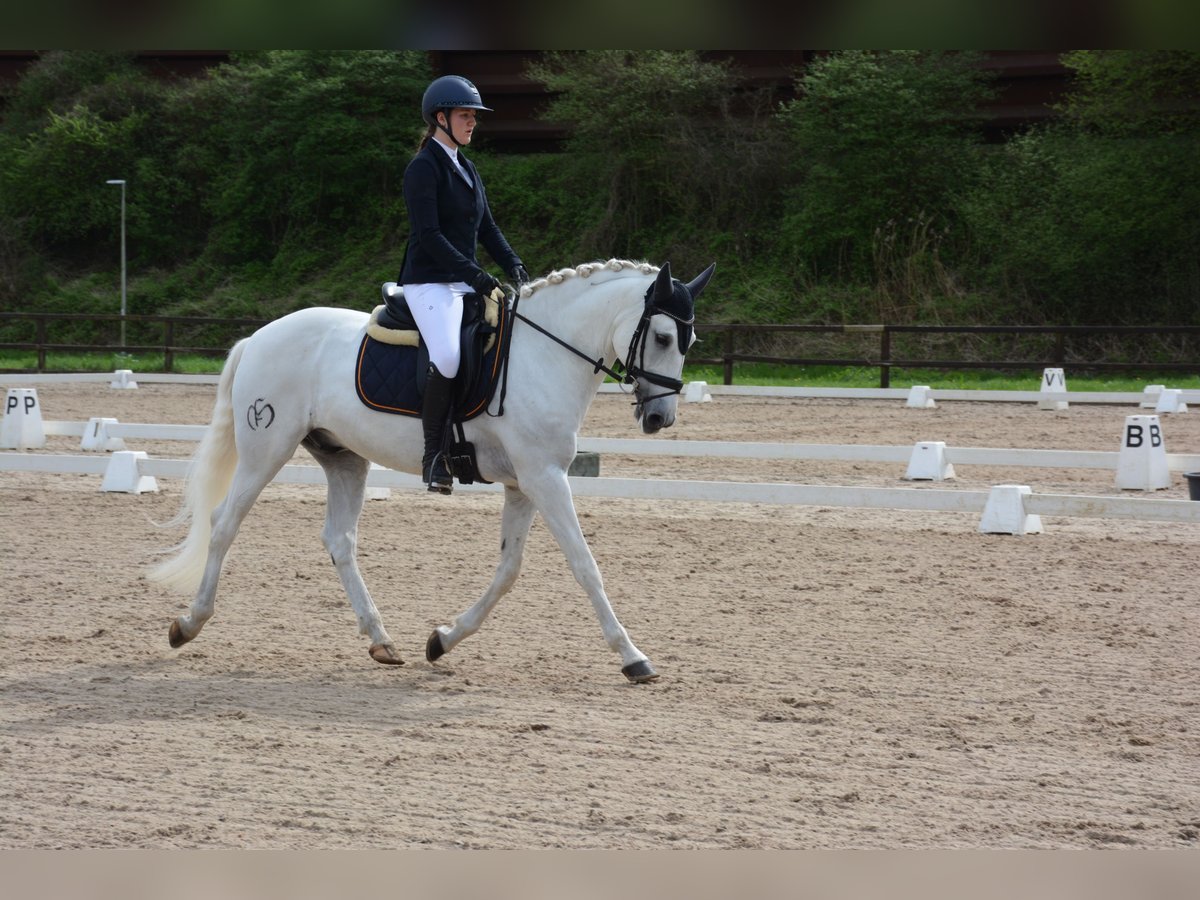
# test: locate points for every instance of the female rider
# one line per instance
(448, 216)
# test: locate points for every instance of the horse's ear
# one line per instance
(663, 288)
(696, 285)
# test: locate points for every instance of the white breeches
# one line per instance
(437, 309)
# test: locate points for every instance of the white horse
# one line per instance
(292, 383)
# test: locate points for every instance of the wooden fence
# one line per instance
(871, 346)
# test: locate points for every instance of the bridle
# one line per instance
(632, 369)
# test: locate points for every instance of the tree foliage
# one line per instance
(880, 143)
(275, 181)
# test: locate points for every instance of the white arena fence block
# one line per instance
(928, 462)
(1151, 392)
(697, 392)
(1170, 400)
(1054, 382)
(1005, 511)
(123, 379)
(920, 396)
(375, 491)
(124, 476)
(96, 437)
(1142, 461)
(21, 428)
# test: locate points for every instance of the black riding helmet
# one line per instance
(447, 93)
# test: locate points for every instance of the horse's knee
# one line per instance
(341, 546)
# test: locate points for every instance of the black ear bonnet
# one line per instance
(670, 296)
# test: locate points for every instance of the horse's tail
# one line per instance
(208, 480)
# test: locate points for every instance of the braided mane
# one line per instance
(587, 270)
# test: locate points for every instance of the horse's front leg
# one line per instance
(553, 499)
(514, 531)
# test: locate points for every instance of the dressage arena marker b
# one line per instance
(1053, 382)
(928, 462)
(1142, 462)
(21, 427)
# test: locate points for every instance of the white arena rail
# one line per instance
(1069, 505)
(977, 456)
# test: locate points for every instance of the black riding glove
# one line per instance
(483, 283)
(519, 275)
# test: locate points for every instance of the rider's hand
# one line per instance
(519, 275)
(483, 283)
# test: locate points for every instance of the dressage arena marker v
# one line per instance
(1054, 382)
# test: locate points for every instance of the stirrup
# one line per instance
(439, 480)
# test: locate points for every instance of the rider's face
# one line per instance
(461, 123)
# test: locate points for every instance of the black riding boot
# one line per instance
(434, 414)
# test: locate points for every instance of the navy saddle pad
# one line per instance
(386, 375)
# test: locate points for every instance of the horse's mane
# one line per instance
(587, 270)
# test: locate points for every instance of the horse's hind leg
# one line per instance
(248, 481)
(514, 530)
(346, 473)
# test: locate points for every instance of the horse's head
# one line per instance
(663, 335)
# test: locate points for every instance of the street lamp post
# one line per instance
(121, 182)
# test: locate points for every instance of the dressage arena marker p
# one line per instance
(21, 428)
(1005, 511)
(96, 437)
(1053, 382)
(928, 462)
(1142, 462)
(920, 396)
(1151, 392)
(123, 379)
(122, 475)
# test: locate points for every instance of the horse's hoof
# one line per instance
(175, 636)
(640, 672)
(433, 647)
(386, 654)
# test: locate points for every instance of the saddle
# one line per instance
(393, 361)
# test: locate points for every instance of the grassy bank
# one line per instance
(744, 373)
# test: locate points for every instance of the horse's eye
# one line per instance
(663, 340)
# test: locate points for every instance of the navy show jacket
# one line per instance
(448, 218)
